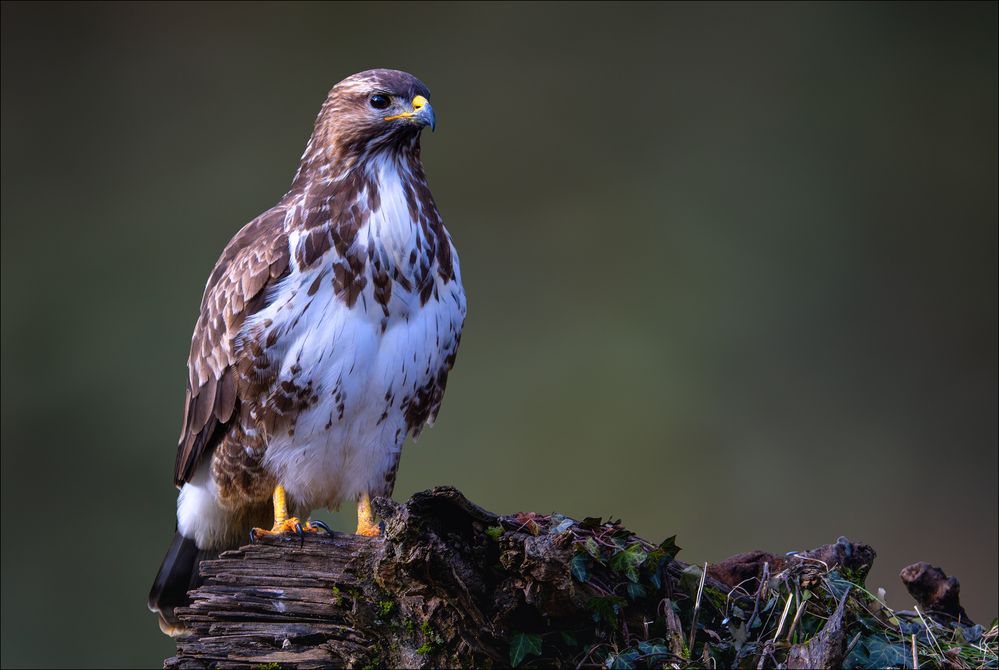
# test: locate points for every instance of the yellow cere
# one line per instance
(419, 102)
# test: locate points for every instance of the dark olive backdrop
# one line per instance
(731, 273)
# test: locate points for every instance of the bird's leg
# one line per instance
(282, 522)
(366, 518)
(285, 524)
(280, 507)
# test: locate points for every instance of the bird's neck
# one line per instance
(325, 161)
(376, 203)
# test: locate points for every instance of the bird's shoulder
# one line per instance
(254, 259)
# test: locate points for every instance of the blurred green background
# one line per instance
(731, 268)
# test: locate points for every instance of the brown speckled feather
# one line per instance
(255, 258)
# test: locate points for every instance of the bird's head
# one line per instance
(375, 109)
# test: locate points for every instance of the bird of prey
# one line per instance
(326, 333)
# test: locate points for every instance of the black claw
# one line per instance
(320, 524)
(253, 536)
(301, 534)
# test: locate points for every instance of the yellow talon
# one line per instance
(282, 522)
(289, 525)
(366, 518)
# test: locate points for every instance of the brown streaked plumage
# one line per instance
(326, 334)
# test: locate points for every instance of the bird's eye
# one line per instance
(379, 101)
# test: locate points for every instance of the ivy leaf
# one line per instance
(656, 578)
(875, 651)
(628, 560)
(621, 537)
(690, 579)
(883, 654)
(968, 634)
(857, 658)
(738, 633)
(569, 639)
(606, 608)
(652, 649)
(579, 567)
(635, 591)
(669, 548)
(837, 585)
(522, 645)
(623, 661)
(591, 522)
(592, 548)
(659, 558)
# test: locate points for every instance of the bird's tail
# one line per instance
(178, 574)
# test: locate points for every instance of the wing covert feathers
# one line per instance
(255, 258)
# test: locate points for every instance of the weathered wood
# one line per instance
(449, 584)
(937, 594)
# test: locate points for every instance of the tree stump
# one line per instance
(449, 584)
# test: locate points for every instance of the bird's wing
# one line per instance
(256, 258)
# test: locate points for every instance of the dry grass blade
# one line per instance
(933, 638)
(783, 617)
(697, 608)
(796, 619)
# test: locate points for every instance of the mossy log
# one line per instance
(449, 584)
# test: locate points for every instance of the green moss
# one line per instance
(385, 607)
(495, 532)
(431, 640)
(410, 627)
(857, 577)
(269, 666)
(717, 598)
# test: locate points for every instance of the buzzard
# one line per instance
(326, 333)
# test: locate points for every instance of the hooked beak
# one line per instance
(422, 113)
